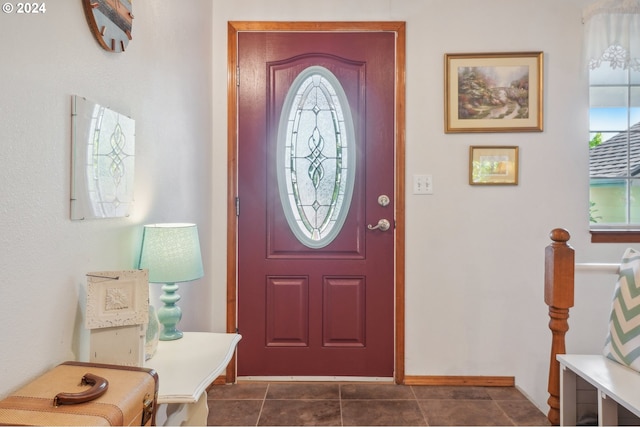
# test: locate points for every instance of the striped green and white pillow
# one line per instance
(623, 339)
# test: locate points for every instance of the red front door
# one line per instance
(307, 309)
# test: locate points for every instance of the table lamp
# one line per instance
(171, 253)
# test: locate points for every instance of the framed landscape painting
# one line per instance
(493, 92)
(496, 165)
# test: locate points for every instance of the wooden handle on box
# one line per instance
(98, 385)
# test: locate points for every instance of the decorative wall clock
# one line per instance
(110, 22)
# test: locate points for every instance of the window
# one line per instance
(612, 46)
(316, 157)
(614, 146)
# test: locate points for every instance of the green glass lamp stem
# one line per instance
(169, 314)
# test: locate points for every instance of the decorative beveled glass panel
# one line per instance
(103, 161)
(316, 157)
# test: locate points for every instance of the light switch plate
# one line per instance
(422, 184)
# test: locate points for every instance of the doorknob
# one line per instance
(383, 200)
(382, 224)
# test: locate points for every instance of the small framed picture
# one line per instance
(493, 165)
(493, 92)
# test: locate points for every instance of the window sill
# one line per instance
(615, 236)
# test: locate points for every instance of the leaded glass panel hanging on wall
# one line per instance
(316, 157)
(103, 161)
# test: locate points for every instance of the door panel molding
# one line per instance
(233, 28)
(345, 295)
(285, 245)
(291, 292)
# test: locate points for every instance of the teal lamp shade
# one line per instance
(171, 253)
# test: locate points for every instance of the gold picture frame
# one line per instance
(493, 92)
(493, 165)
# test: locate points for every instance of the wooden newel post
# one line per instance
(558, 295)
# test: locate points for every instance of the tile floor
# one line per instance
(368, 404)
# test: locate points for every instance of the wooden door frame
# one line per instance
(233, 28)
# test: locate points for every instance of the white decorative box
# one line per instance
(117, 314)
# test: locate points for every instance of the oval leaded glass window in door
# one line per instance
(316, 157)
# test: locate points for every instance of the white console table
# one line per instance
(186, 367)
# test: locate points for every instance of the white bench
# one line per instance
(616, 385)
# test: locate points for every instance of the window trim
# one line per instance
(615, 236)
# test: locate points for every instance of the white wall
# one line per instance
(163, 81)
(474, 273)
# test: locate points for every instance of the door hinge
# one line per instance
(237, 206)
(238, 76)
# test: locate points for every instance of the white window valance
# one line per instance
(612, 33)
